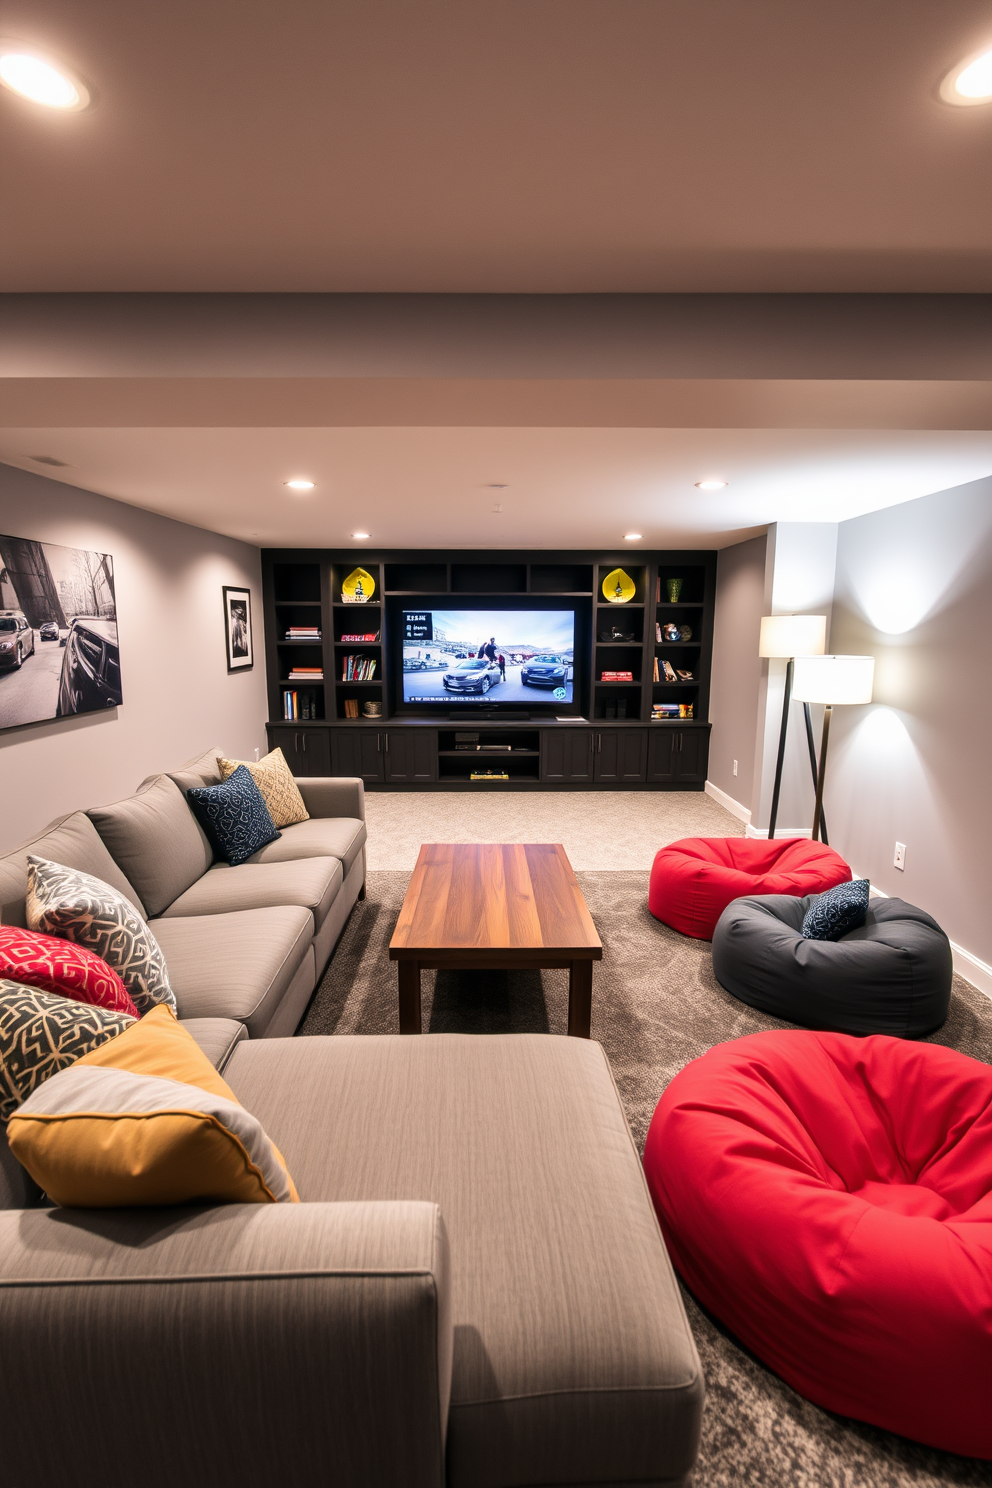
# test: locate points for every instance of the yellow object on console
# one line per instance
(150, 1123)
(276, 786)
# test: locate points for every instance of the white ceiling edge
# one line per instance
(429, 487)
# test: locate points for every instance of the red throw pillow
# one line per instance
(60, 966)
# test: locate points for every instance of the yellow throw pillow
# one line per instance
(153, 1124)
(276, 785)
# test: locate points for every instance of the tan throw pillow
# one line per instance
(151, 1122)
(276, 786)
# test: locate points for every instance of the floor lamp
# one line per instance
(789, 636)
(831, 680)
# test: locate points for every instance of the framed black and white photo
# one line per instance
(59, 654)
(237, 629)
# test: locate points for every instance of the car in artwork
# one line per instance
(49, 631)
(16, 639)
(477, 674)
(545, 671)
(91, 668)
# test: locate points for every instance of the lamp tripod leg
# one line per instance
(776, 791)
(813, 769)
(824, 740)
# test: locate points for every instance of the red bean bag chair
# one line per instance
(693, 880)
(829, 1198)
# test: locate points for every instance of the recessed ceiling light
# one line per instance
(970, 81)
(29, 73)
(299, 485)
(632, 537)
(359, 534)
(710, 485)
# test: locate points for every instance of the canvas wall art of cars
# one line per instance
(507, 656)
(59, 650)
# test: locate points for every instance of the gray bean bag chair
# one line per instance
(892, 975)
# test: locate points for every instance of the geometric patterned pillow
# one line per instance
(78, 907)
(41, 1033)
(55, 965)
(833, 914)
(275, 781)
(234, 816)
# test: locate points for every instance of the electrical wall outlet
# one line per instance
(899, 861)
(735, 767)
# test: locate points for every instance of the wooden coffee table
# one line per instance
(482, 905)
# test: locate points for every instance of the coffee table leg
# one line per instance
(579, 998)
(409, 973)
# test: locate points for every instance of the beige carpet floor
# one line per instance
(656, 1005)
(599, 829)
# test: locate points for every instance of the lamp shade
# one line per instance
(833, 679)
(793, 635)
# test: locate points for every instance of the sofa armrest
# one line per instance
(332, 795)
(237, 1345)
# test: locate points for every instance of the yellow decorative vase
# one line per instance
(619, 587)
(358, 587)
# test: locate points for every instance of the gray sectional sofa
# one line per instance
(474, 1291)
(246, 944)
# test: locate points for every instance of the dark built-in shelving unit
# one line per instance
(613, 744)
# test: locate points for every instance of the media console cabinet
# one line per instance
(403, 751)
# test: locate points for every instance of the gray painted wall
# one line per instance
(178, 696)
(914, 589)
(737, 669)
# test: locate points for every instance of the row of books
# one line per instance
(358, 668)
(306, 674)
(661, 711)
(303, 632)
(297, 706)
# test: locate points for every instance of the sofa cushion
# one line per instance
(322, 836)
(57, 965)
(81, 908)
(151, 1122)
(217, 1037)
(234, 816)
(202, 769)
(275, 780)
(42, 1033)
(73, 841)
(573, 1359)
(312, 883)
(156, 840)
(235, 965)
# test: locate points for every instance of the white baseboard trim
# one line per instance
(727, 802)
(977, 972)
(779, 832)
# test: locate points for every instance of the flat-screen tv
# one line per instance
(511, 656)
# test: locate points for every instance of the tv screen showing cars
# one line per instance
(511, 656)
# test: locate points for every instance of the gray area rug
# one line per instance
(656, 1005)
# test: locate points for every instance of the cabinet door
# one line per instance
(663, 743)
(357, 752)
(690, 760)
(621, 754)
(409, 754)
(307, 750)
(567, 754)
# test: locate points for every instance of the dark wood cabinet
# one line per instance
(567, 754)
(306, 749)
(357, 752)
(620, 754)
(409, 754)
(677, 755)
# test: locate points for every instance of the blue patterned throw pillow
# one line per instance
(234, 816)
(837, 911)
